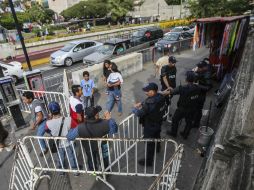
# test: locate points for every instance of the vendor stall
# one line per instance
(225, 36)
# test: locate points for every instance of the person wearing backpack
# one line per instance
(59, 126)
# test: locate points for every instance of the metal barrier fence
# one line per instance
(119, 157)
(46, 97)
(170, 171)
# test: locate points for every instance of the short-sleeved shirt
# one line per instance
(87, 87)
(161, 62)
(170, 73)
(115, 77)
(54, 126)
(76, 107)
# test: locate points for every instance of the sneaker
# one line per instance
(44, 152)
(76, 174)
(142, 162)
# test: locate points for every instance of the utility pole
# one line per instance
(181, 9)
(158, 9)
(20, 34)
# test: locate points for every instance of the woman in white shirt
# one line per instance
(114, 82)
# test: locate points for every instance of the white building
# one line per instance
(159, 9)
(60, 5)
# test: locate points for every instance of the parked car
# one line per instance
(146, 35)
(110, 49)
(73, 52)
(13, 69)
(180, 29)
(171, 41)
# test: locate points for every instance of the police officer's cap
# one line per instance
(150, 86)
(90, 112)
(172, 59)
(201, 64)
(190, 76)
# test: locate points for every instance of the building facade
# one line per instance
(159, 9)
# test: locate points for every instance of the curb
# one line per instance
(37, 62)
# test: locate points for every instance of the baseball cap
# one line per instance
(190, 76)
(201, 64)
(172, 59)
(54, 107)
(150, 86)
(90, 112)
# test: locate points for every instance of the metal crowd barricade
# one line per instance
(46, 97)
(168, 176)
(23, 175)
(101, 156)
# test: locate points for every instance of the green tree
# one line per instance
(173, 2)
(119, 8)
(209, 8)
(7, 20)
(86, 9)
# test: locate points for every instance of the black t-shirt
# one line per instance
(106, 73)
(170, 73)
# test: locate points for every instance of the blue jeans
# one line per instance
(112, 99)
(62, 153)
(40, 133)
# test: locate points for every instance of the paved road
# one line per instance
(132, 93)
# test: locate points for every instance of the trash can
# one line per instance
(205, 134)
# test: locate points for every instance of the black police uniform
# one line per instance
(186, 106)
(151, 117)
(170, 73)
(204, 81)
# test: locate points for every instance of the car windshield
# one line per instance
(171, 37)
(138, 33)
(106, 48)
(177, 30)
(68, 47)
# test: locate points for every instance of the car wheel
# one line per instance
(68, 62)
(174, 48)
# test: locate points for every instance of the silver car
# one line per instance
(73, 52)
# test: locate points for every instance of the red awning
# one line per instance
(220, 19)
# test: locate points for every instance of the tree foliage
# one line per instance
(99, 8)
(119, 8)
(86, 9)
(7, 20)
(173, 2)
(209, 8)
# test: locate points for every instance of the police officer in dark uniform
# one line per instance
(168, 76)
(203, 78)
(151, 113)
(186, 105)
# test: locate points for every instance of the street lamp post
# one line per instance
(20, 34)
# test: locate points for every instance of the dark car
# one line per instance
(108, 50)
(144, 35)
(172, 41)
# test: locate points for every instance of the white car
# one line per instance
(13, 69)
